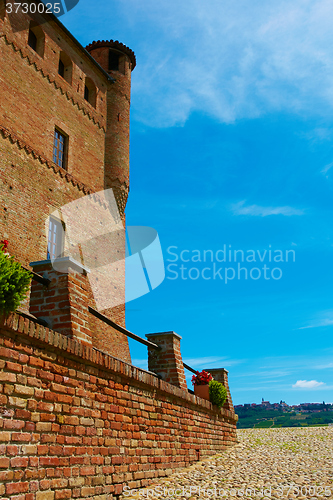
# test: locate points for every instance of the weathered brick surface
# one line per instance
(118, 118)
(167, 361)
(76, 422)
(221, 375)
(34, 100)
(63, 303)
(48, 100)
(87, 424)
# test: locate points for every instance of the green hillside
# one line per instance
(263, 418)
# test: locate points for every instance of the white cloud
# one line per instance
(318, 324)
(211, 361)
(296, 364)
(307, 384)
(327, 168)
(230, 59)
(259, 211)
(200, 363)
(140, 363)
(324, 367)
(325, 320)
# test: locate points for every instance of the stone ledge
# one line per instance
(16, 323)
(161, 334)
(61, 264)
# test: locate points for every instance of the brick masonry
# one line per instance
(35, 100)
(62, 304)
(77, 423)
(167, 361)
(221, 375)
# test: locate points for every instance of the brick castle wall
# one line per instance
(34, 100)
(76, 423)
(25, 207)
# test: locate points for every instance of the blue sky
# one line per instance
(231, 144)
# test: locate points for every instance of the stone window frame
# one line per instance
(65, 67)
(55, 238)
(90, 92)
(60, 154)
(117, 61)
(36, 38)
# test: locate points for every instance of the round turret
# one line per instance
(118, 61)
(111, 55)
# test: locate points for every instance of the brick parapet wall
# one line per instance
(64, 303)
(78, 423)
(221, 375)
(167, 361)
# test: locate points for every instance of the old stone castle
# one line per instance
(77, 419)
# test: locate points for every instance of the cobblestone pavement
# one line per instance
(267, 463)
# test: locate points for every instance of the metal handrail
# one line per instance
(133, 336)
(38, 277)
(30, 317)
(105, 319)
(189, 368)
(119, 328)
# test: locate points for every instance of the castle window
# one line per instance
(61, 69)
(60, 148)
(55, 239)
(90, 92)
(113, 60)
(36, 38)
(32, 40)
(65, 67)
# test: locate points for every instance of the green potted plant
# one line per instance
(201, 382)
(217, 393)
(14, 282)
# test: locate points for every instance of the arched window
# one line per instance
(90, 92)
(36, 38)
(65, 67)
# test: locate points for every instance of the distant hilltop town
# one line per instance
(281, 414)
(303, 407)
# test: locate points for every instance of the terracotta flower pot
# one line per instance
(202, 391)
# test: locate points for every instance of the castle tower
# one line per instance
(118, 61)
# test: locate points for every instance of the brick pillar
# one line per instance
(167, 361)
(221, 375)
(64, 303)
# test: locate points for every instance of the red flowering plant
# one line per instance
(201, 378)
(5, 245)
